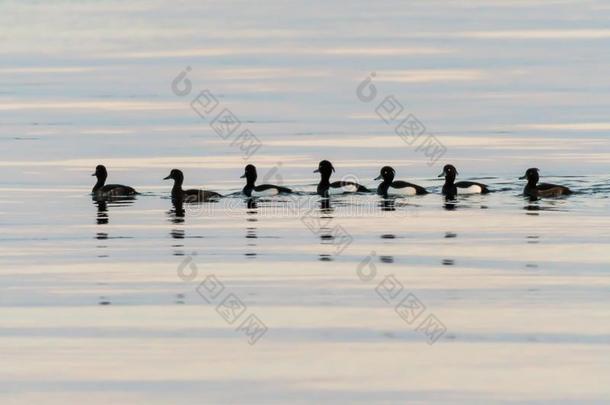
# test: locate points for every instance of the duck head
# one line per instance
(386, 173)
(100, 172)
(449, 172)
(531, 175)
(175, 175)
(325, 168)
(249, 174)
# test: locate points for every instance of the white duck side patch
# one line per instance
(342, 189)
(410, 191)
(265, 193)
(474, 189)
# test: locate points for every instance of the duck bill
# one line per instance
(317, 171)
(243, 176)
(522, 178)
(93, 175)
(168, 177)
(441, 175)
(378, 177)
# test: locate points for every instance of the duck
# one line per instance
(191, 195)
(264, 190)
(101, 189)
(535, 190)
(451, 189)
(390, 187)
(326, 188)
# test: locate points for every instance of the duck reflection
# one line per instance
(176, 214)
(177, 233)
(251, 231)
(325, 206)
(102, 212)
(386, 259)
(388, 204)
(103, 203)
(450, 202)
(178, 246)
(325, 222)
(535, 206)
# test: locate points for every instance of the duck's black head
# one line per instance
(386, 173)
(449, 172)
(531, 175)
(250, 173)
(100, 172)
(175, 175)
(325, 168)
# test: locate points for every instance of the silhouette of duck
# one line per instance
(101, 189)
(191, 195)
(451, 188)
(390, 187)
(326, 188)
(533, 189)
(264, 190)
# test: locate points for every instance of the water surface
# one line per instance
(102, 301)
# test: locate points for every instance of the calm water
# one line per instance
(490, 299)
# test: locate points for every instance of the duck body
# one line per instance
(263, 190)
(533, 189)
(101, 189)
(339, 187)
(191, 195)
(451, 188)
(396, 188)
(326, 187)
